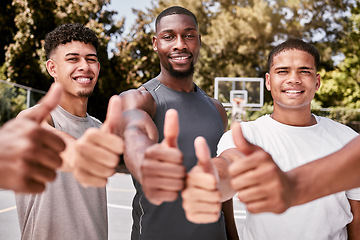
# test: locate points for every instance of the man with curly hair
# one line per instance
(67, 209)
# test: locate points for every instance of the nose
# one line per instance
(180, 43)
(83, 65)
(294, 77)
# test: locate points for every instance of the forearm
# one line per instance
(222, 165)
(334, 173)
(136, 143)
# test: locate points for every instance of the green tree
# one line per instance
(341, 86)
(25, 57)
(12, 101)
(237, 35)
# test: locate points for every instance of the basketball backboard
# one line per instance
(250, 89)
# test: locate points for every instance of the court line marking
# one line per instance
(120, 189)
(119, 206)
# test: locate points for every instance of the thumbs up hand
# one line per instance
(29, 154)
(95, 154)
(162, 170)
(256, 178)
(201, 198)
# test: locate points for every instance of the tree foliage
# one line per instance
(237, 36)
(341, 86)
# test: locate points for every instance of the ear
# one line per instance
(51, 67)
(154, 41)
(318, 81)
(267, 81)
(200, 39)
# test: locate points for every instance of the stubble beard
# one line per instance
(84, 94)
(182, 74)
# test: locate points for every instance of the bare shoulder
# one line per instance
(222, 112)
(139, 98)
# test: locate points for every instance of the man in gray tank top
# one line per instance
(66, 209)
(159, 169)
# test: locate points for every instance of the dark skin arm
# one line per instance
(158, 167)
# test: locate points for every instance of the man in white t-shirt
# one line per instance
(293, 136)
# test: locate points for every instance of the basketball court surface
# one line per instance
(120, 192)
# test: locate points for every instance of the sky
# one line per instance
(123, 7)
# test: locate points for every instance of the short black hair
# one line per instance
(67, 33)
(291, 44)
(172, 11)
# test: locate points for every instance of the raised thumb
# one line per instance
(46, 104)
(171, 128)
(113, 115)
(203, 155)
(240, 142)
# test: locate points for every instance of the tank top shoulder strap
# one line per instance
(151, 85)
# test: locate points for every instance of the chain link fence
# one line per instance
(15, 98)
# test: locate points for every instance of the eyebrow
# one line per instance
(76, 54)
(186, 29)
(285, 68)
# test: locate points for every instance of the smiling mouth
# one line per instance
(180, 58)
(292, 91)
(82, 80)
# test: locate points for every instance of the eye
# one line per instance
(167, 37)
(282, 72)
(190, 36)
(91, 60)
(73, 59)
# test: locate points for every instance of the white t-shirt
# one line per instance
(290, 147)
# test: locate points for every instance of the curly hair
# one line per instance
(67, 33)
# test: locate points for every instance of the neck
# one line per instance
(75, 105)
(178, 84)
(294, 117)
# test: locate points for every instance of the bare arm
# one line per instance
(29, 154)
(334, 173)
(158, 167)
(354, 227)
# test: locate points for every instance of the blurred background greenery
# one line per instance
(237, 36)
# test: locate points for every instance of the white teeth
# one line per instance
(180, 58)
(81, 79)
(292, 91)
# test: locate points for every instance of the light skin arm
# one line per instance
(202, 197)
(94, 156)
(331, 174)
(29, 154)
(227, 206)
(256, 172)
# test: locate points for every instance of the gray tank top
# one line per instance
(65, 210)
(198, 116)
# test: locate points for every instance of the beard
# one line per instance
(84, 94)
(182, 74)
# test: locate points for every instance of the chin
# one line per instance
(84, 94)
(182, 74)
